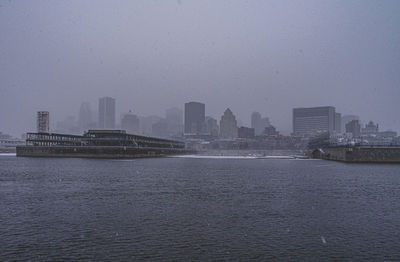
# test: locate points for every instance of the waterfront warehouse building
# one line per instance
(106, 113)
(314, 120)
(194, 118)
(43, 122)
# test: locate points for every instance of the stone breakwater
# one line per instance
(359, 154)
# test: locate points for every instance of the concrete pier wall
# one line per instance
(96, 151)
(359, 154)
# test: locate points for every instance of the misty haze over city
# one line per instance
(265, 56)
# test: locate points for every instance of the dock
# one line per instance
(99, 144)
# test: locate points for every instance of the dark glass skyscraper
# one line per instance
(106, 113)
(195, 118)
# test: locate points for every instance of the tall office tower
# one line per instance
(194, 118)
(354, 128)
(259, 123)
(160, 129)
(85, 116)
(338, 122)
(348, 118)
(313, 120)
(212, 126)
(130, 123)
(106, 113)
(146, 124)
(228, 125)
(255, 120)
(174, 119)
(43, 122)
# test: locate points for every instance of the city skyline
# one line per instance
(308, 121)
(241, 116)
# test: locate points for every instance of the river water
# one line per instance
(188, 209)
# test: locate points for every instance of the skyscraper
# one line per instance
(212, 126)
(85, 116)
(338, 122)
(313, 120)
(194, 118)
(160, 128)
(354, 128)
(174, 119)
(130, 123)
(106, 113)
(255, 121)
(228, 125)
(348, 118)
(259, 123)
(43, 122)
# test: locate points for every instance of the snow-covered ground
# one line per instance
(233, 157)
(7, 154)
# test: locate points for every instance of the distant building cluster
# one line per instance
(202, 131)
(315, 122)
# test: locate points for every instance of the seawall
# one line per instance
(97, 151)
(359, 154)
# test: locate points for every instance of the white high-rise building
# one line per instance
(313, 120)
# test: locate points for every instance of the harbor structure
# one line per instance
(98, 144)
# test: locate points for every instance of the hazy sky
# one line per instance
(266, 56)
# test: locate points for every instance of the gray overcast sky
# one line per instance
(268, 56)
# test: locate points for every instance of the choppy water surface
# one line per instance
(177, 209)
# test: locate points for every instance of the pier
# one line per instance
(99, 144)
